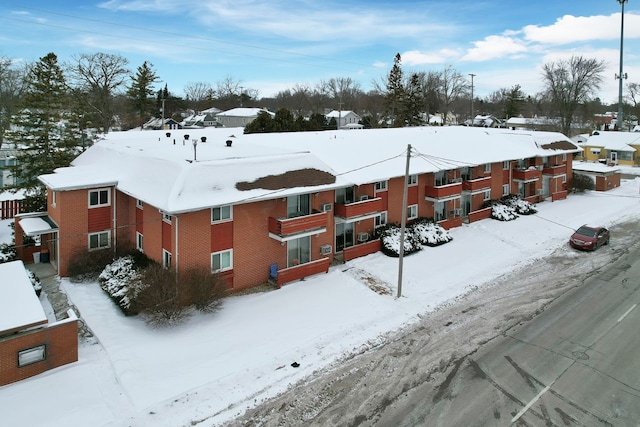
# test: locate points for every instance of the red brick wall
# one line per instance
(61, 342)
(194, 240)
(73, 220)
(99, 219)
(152, 220)
(221, 236)
(167, 235)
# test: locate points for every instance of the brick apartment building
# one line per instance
(283, 206)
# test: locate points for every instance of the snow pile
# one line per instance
(121, 281)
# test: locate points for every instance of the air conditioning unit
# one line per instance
(539, 191)
(325, 249)
(364, 197)
(457, 212)
(326, 207)
(363, 237)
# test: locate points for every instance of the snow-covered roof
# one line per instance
(594, 167)
(19, 305)
(617, 141)
(243, 112)
(212, 110)
(161, 170)
(343, 113)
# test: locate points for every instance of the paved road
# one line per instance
(576, 364)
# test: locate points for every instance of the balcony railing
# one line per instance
(299, 224)
(361, 208)
(529, 174)
(555, 170)
(477, 184)
(303, 270)
(443, 191)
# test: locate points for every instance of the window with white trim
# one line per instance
(564, 178)
(505, 190)
(413, 179)
(166, 258)
(32, 355)
(53, 198)
(381, 186)
(381, 219)
(166, 217)
(564, 157)
(487, 168)
(99, 240)
(487, 194)
(139, 241)
(412, 212)
(222, 213)
(139, 204)
(98, 198)
(505, 165)
(222, 261)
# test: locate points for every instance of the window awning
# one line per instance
(35, 226)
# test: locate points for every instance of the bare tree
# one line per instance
(569, 83)
(97, 78)
(343, 90)
(12, 87)
(452, 86)
(198, 94)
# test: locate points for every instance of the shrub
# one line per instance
(122, 281)
(581, 182)
(35, 281)
(503, 212)
(206, 290)
(7, 253)
(522, 207)
(427, 232)
(390, 237)
(160, 299)
(87, 265)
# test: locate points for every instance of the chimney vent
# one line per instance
(203, 138)
(229, 142)
(168, 134)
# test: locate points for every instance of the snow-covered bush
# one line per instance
(429, 233)
(390, 237)
(122, 281)
(503, 212)
(7, 253)
(521, 207)
(35, 281)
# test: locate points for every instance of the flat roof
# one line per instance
(20, 307)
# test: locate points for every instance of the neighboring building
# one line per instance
(285, 205)
(345, 119)
(205, 118)
(532, 123)
(156, 123)
(240, 117)
(486, 121)
(29, 344)
(8, 159)
(615, 148)
(604, 177)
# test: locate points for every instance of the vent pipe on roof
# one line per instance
(229, 142)
(168, 134)
(203, 138)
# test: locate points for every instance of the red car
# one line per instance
(589, 238)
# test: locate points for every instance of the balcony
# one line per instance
(447, 191)
(527, 175)
(477, 184)
(301, 271)
(284, 229)
(555, 170)
(359, 209)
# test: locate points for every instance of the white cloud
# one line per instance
(493, 47)
(570, 29)
(414, 57)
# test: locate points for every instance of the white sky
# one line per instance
(136, 375)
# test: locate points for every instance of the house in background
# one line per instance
(240, 117)
(613, 147)
(157, 123)
(29, 344)
(604, 177)
(344, 119)
(202, 119)
(283, 206)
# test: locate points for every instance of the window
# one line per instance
(166, 259)
(505, 190)
(412, 212)
(298, 251)
(31, 355)
(298, 205)
(53, 199)
(413, 179)
(487, 168)
(221, 261)
(505, 165)
(564, 157)
(440, 210)
(441, 178)
(221, 213)
(344, 235)
(99, 240)
(487, 194)
(99, 198)
(381, 186)
(139, 242)
(166, 217)
(564, 178)
(381, 219)
(344, 195)
(139, 204)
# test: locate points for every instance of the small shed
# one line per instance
(605, 177)
(29, 343)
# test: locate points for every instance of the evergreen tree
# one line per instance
(263, 123)
(395, 94)
(283, 121)
(414, 102)
(141, 92)
(46, 128)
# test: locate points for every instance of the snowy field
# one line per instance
(212, 367)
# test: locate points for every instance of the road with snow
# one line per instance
(554, 343)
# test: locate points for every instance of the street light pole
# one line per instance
(472, 76)
(621, 75)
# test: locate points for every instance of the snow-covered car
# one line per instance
(589, 238)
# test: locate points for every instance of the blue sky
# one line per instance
(274, 45)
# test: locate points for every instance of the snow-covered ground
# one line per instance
(212, 367)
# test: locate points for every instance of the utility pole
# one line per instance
(472, 76)
(403, 222)
(621, 75)
(241, 91)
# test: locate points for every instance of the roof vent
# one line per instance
(203, 138)
(168, 134)
(229, 142)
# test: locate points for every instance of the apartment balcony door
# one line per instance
(465, 204)
(298, 251)
(344, 236)
(298, 205)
